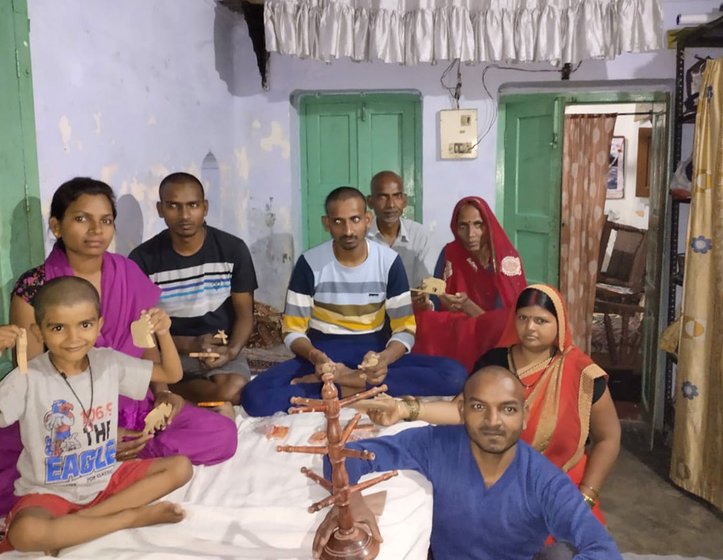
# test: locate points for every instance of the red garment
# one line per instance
(558, 392)
(505, 278)
(455, 334)
(127, 473)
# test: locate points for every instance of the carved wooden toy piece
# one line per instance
(223, 336)
(204, 355)
(349, 541)
(142, 333)
(370, 362)
(156, 418)
(432, 286)
(21, 351)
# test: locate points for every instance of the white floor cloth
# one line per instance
(254, 506)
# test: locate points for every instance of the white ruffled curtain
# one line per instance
(413, 31)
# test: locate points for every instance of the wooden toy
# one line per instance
(21, 351)
(432, 286)
(370, 362)
(349, 541)
(204, 355)
(156, 418)
(142, 333)
(277, 432)
(223, 336)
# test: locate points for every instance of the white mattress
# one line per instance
(254, 506)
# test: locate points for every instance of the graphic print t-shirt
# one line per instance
(58, 456)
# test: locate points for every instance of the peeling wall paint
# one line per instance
(135, 103)
(278, 138)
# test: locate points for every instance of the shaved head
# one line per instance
(493, 372)
(493, 410)
(64, 290)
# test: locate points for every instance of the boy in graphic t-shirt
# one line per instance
(71, 487)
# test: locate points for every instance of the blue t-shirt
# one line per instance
(508, 521)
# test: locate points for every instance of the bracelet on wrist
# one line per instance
(588, 500)
(593, 492)
(413, 405)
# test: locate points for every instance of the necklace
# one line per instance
(87, 422)
(513, 366)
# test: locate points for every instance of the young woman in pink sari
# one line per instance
(82, 218)
(484, 276)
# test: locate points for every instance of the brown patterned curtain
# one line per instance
(584, 175)
(697, 460)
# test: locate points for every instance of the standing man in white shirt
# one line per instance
(407, 237)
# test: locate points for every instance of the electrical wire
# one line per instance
(455, 92)
(493, 118)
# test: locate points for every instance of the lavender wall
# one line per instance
(128, 91)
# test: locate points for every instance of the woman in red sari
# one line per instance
(484, 275)
(565, 391)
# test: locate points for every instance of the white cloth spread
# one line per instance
(254, 505)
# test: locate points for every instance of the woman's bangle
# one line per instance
(595, 493)
(413, 406)
(588, 500)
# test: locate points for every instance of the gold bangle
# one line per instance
(413, 405)
(588, 500)
(595, 493)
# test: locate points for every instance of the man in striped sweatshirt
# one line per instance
(348, 305)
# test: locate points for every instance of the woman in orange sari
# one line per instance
(566, 393)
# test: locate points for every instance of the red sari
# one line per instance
(559, 392)
(493, 288)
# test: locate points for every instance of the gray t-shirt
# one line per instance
(58, 456)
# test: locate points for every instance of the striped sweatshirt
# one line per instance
(335, 299)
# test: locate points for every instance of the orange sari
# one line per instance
(558, 392)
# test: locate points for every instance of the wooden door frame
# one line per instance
(599, 93)
(298, 100)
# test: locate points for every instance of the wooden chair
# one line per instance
(619, 291)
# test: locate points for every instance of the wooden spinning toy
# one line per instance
(204, 355)
(142, 333)
(370, 362)
(349, 541)
(156, 418)
(432, 286)
(21, 351)
(223, 336)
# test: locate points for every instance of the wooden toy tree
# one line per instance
(348, 541)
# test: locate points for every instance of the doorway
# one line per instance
(348, 137)
(530, 153)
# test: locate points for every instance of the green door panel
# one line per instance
(347, 138)
(331, 158)
(532, 153)
(20, 219)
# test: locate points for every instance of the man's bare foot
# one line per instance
(160, 512)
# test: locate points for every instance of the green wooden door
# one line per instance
(531, 156)
(20, 220)
(346, 139)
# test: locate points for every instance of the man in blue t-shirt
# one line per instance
(207, 280)
(494, 497)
